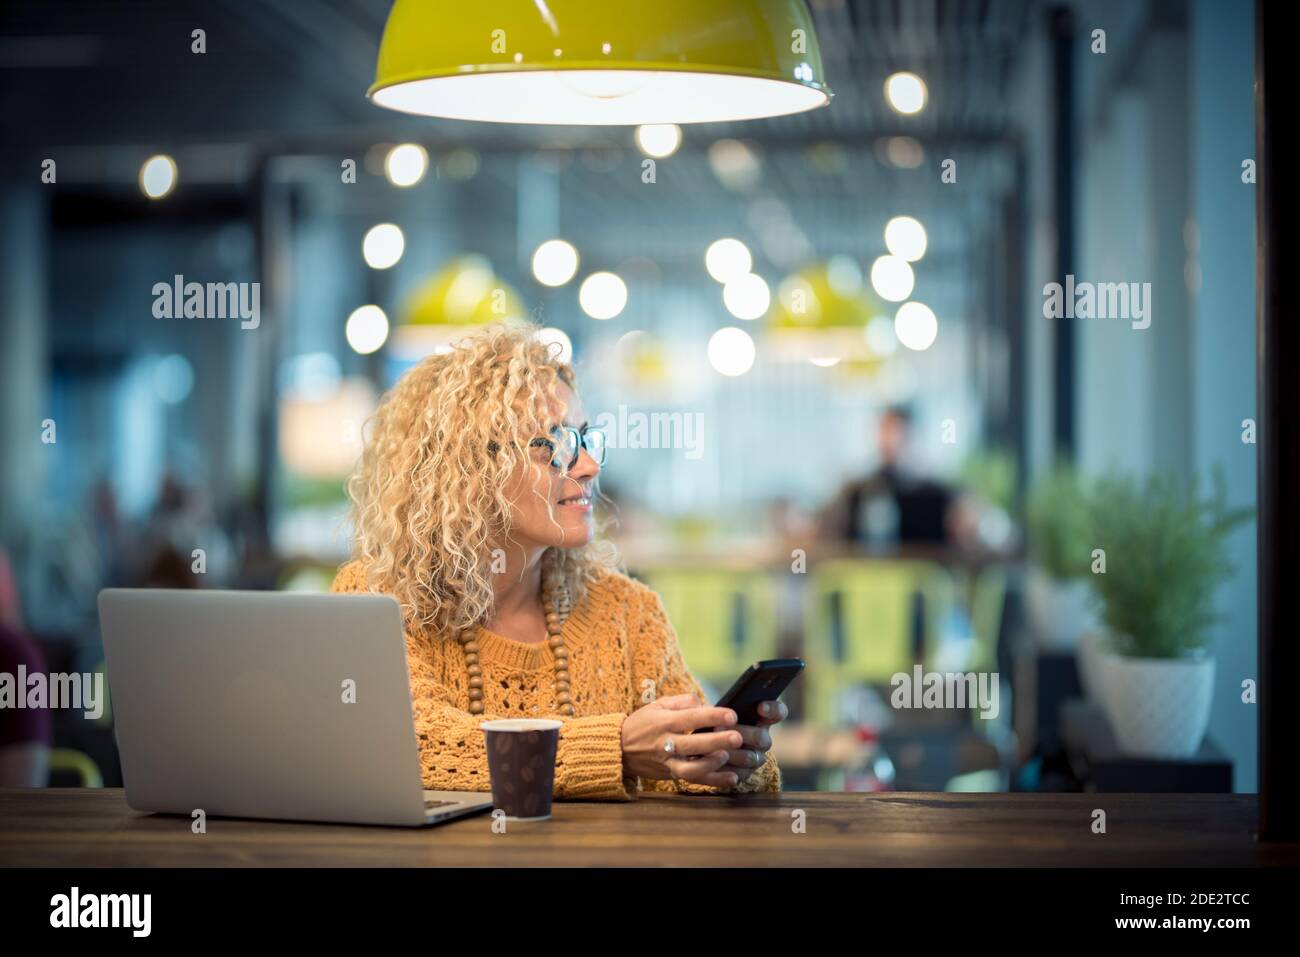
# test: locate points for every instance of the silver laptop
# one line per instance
(267, 705)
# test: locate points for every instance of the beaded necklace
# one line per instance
(558, 604)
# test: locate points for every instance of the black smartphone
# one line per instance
(762, 681)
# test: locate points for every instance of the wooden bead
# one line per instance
(557, 605)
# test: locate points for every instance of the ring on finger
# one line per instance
(670, 746)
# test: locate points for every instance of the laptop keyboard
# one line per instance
(430, 803)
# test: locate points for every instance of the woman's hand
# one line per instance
(658, 743)
(757, 741)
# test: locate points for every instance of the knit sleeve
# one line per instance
(453, 752)
(659, 658)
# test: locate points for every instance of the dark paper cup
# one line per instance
(521, 762)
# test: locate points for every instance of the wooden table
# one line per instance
(79, 828)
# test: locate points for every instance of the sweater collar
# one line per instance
(532, 656)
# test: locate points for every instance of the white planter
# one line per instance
(1059, 612)
(1105, 659)
(1158, 707)
(1093, 645)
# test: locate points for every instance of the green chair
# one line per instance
(78, 764)
(988, 598)
(859, 617)
(306, 575)
(725, 620)
(982, 594)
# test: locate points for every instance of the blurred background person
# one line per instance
(896, 504)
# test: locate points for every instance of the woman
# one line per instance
(473, 507)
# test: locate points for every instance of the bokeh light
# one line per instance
(383, 246)
(906, 93)
(916, 326)
(405, 165)
(892, 278)
(731, 351)
(658, 140)
(173, 378)
(367, 329)
(158, 176)
(728, 259)
(557, 337)
(602, 295)
(555, 262)
(905, 238)
(747, 297)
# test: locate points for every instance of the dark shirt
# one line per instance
(916, 509)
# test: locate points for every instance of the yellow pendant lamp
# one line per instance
(600, 62)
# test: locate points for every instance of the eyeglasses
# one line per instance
(565, 443)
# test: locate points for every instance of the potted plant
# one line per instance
(1165, 557)
(988, 476)
(1058, 592)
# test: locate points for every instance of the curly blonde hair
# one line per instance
(429, 495)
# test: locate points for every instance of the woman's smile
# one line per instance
(580, 501)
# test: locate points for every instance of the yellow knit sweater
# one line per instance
(623, 653)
